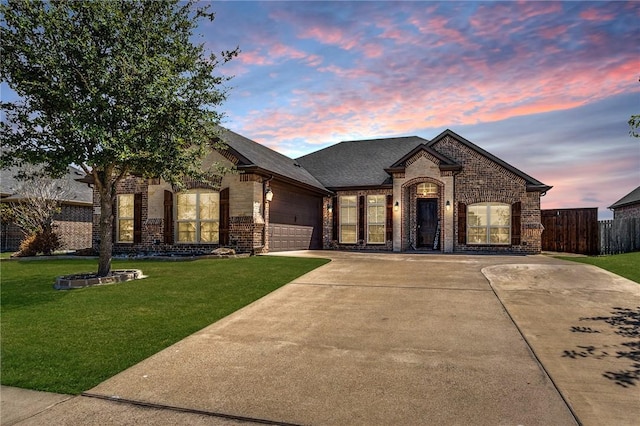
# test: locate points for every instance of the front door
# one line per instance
(427, 223)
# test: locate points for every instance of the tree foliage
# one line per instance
(634, 123)
(116, 87)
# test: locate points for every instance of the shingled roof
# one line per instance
(253, 156)
(358, 163)
(532, 183)
(631, 198)
(75, 192)
(368, 162)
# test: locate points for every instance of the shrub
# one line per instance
(40, 242)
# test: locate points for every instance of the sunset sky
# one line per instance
(546, 86)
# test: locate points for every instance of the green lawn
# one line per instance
(69, 341)
(626, 265)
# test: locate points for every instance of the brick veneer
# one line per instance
(72, 224)
(246, 232)
(327, 238)
(482, 180)
(627, 212)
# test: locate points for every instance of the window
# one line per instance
(125, 218)
(488, 223)
(198, 217)
(376, 211)
(427, 188)
(348, 219)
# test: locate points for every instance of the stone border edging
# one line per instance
(88, 279)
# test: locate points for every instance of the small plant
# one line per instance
(45, 242)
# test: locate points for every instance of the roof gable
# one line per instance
(532, 184)
(253, 156)
(631, 198)
(444, 162)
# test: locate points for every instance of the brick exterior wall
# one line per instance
(11, 237)
(248, 219)
(329, 243)
(72, 224)
(482, 180)
(627, 212)
(245, 235)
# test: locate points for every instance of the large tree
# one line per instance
(117, 87)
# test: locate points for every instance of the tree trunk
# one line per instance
(106, 194)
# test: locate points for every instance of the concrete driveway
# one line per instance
(381, 339)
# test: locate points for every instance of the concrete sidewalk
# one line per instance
(381, 339)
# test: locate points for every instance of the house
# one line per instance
(73, 222)
(628, 206)
(270, 203)
(395, 194)
(408, 193)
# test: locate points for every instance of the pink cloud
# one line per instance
(276, 53)
(553, 32)
(372, 50)
(330, 35)
(437, 26)
(527, 9)
(254, 58)
(595, 15)
(387, 108)
(570, 185)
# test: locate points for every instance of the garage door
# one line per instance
(289, 237)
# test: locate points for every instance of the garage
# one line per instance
(295, 218)
(284, 237)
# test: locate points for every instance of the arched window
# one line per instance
(489, 223)
(198, 217)
(427, 188)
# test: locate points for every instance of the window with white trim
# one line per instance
(489, 223)
(125, 218)
(198, 217)
(348, 218)
(376, 218)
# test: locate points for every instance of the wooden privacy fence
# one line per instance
(619, 235)
(570, 230)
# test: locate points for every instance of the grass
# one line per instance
(69, 341)
(626, 265)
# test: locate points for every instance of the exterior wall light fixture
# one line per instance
(448, 205)
(268, 195)
(330, 208)
(396, 206)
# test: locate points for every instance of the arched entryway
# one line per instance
(423, 217)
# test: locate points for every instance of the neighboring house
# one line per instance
(395, 194)
(628, 206)
(73, 223)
